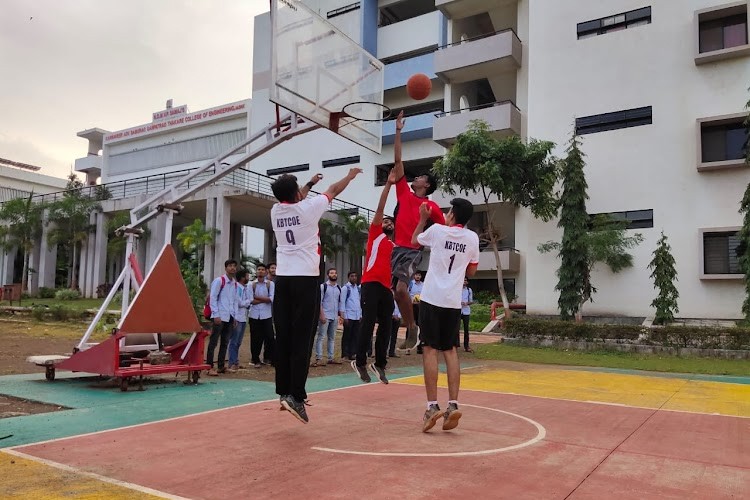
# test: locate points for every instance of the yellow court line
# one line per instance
(30, 477)
(625, 389)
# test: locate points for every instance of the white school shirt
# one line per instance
(295, 226)
(452, 249)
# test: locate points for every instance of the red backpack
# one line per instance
(207, 305)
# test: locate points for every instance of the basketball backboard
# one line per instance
(316, 71)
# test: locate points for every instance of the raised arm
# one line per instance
(378, 219)
(336, 188)
(424, 214)
(398, 167)
(307, 187)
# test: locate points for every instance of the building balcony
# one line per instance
(91, 164)
(398, 73)
(409, 36)
(479, 57)
(721, 32)
(503, 118)
(416, 127)
(510, 260)
(458, 9)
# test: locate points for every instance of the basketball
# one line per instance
(419, 86)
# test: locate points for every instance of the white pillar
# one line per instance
(269, 246)
(222, 250)
(208, 251)
(48, 255)
(84, 251)
(155, 243)
(8, 266)
(99, 274)
(89, 283)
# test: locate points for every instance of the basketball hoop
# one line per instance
(360, 111)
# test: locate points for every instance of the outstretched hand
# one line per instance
(354, 172)
(392, 177)
(316, 178)
(424, 211)
(400, 120)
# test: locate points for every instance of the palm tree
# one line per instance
(329, 239)
(23, 227)
(354, 233)
(194, 238)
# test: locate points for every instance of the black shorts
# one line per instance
(438, 326)
(404, 262)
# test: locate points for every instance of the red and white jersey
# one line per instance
(452, 250)
(407, 217)
(378, 257)
(298, 242)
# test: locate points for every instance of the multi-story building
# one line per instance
(656, 91)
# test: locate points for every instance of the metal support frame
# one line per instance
(168, 200)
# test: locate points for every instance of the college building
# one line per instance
(655, 91)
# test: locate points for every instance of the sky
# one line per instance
(71, 65)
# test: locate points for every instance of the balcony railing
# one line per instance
(473, 108)
(479, 37)
(240, 178)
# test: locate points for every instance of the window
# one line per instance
(723, 33)
(341, 161)
(637, 219)
(343, 10)
(412, 169)
(723, 142)
(613, 121)
(720, 253)
(288, 170)
(618, 22)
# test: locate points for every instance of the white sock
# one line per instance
(454, 401)
(430, 403)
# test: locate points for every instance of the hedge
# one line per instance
(669, 336)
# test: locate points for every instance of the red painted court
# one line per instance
(366, 441)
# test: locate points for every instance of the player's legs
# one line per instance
(430, 368)
(453, 367)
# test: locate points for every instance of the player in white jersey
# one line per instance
(296, 305)
(454, 254)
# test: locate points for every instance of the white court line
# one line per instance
(105, 479)
(541, 433)
(207, 412)
(606, 403)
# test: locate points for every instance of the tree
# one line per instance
(744, 234)
(522, 174)
(23, 226)
(193, 240)
(607, 242)
(664, 274)
(329, 239)
(353, 231)
(249, 262)
(573, 274)
(72, 224)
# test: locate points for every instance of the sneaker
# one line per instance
(431, 416)
(296, 408)
(361, 371)
(212, 373)
(412, 337)
(451, 416)
(379, 373)
(233, 369)
(257, 365)
(334, 362)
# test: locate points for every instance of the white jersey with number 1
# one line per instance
(452, 249)
(295, 226)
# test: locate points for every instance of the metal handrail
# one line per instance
(479, 106)
(250, 180)
(479, 37)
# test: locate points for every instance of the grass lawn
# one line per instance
(607, 359)
(75, 305)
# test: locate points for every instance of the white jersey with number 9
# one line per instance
(295, 226)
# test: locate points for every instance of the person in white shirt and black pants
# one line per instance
(261, 324)
(223, 302)
(296, 305)
(467, 299)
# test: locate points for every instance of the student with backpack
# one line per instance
(330, 295)
(351, 312)
(244, 299)
(261, 321)
(223, 305)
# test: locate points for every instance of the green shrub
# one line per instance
(60, 312)
(38, 312)
(117, 299)
(46, 293)
(67, 294)
(669, 336)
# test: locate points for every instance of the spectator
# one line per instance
(272, 271)
(467, 299)
(350, 309)
(244, 298)
(223, 314)
(330, 295)
(261, 321)
(395, 325)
